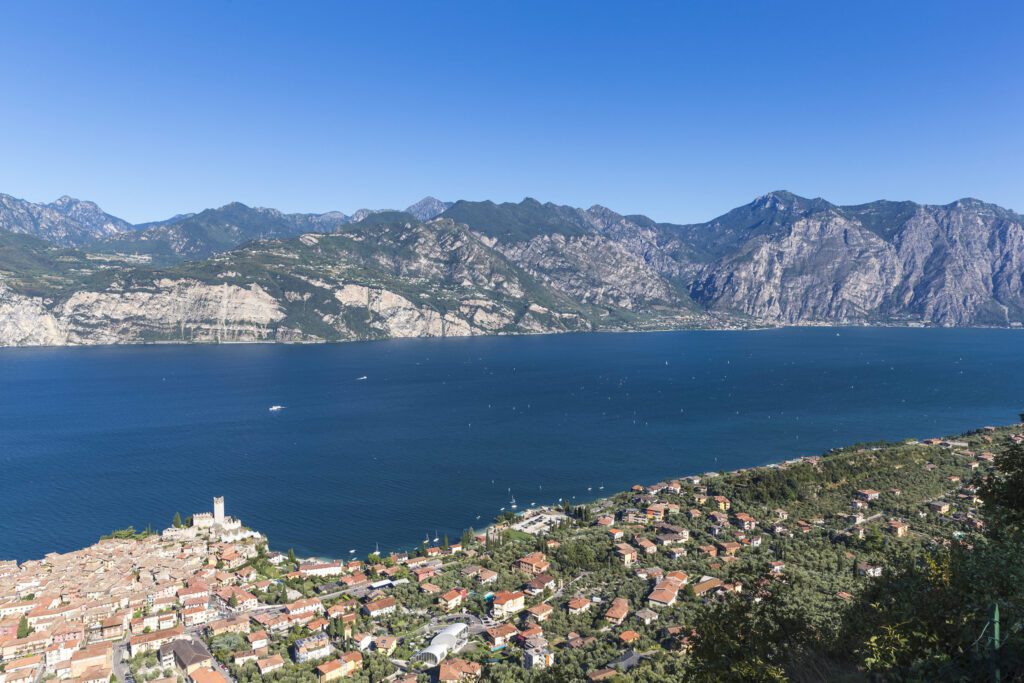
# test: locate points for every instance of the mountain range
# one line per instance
(72, 274)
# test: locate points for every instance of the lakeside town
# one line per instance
(617, 589)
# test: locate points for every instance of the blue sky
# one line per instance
(676, 110)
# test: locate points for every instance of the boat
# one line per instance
(360, 379)
(276, 408)
(352, 551)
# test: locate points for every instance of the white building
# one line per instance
(448, 640)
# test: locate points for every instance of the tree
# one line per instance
(24, 630)
(176, 522)
(233, 601)
(1003, 490)
(291, 556)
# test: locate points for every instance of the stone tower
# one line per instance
(218, 510)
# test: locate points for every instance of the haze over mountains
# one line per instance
(73, 274)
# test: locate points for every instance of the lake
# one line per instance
(442, 432)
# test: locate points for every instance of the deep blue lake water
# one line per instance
(95, 439)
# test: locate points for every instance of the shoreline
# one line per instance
(653, 330)
(541, 509)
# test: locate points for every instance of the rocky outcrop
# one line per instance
(25, 321)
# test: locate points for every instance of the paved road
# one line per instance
(120, 664)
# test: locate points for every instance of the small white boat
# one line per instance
(360, 379)
(275, 408)
(352, 552)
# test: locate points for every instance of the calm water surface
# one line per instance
(440, 430)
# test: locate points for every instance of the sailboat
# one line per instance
(512, 504)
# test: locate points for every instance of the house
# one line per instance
(722, 503)
(304, 606)
(939, 507)
(898, 528)
(706, 585)
(540, 612)
(538, 658)
(385, 644)
(629, 637)
(506, 604)
(728, 548)
(312, 647)
(744, 521)
(486, 576)
(656, 512)
(663, 595)
(243, 658)
(540, 583)
(207, 675)
(452, 599)
(578, 605)
(646, 546)
(865, 569)
(533, 564)
(321, 569)
(454, 670)
(151, 642)
(626, 553)
(647, 616)
(617, 613)
(868, 494)
(499, 636)
(346, 665)
(269, 664)
(381, 607)
(237, 598)
(186, 656)
(776, 567)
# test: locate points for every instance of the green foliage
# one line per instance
(1003, 491)
(24, 630)
(128, 533)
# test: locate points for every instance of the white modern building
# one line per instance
(448, 640)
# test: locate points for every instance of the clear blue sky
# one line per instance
(680, 110)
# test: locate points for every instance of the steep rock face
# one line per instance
(395, 316)
(66, 222)
(959, 264)
(180, 310)
(963, 264)
(825, 268)
(593, 269)
(25, 321)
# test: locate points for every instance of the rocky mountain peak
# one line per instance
(428, 208)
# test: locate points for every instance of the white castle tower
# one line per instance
(218, 511)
